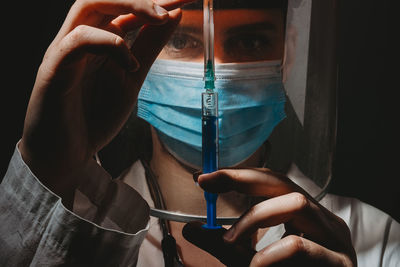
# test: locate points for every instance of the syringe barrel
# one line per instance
(209, 112)
(210, 149)
(210, 131)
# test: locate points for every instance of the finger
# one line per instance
(150, 42)
(255, 182)
(97, 10)
(86, 39)
(130, 22)
(298, 213)
(172, 4)
(212, 242)
(271, 212)
(99, 13)
(297, 251)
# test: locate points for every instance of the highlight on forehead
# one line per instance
(240, 4)
(254, 35)
(250, 20)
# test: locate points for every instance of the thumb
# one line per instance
(150, 41)
(210, 240)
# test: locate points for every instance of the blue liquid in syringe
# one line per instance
(210, 145)
(210, 164)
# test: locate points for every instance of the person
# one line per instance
(60, 207)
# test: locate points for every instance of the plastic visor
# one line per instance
(302, 145)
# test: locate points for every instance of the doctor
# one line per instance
(59, 207)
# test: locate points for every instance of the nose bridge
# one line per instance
(220, 55)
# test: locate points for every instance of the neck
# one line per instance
(180, 192)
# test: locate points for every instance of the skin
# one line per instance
(85, 90)
(253, 35)
(71, 115)
(314, 236)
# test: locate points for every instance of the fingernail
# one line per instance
(160, 10)
(228, 236)
(196, 177)
(133, 64)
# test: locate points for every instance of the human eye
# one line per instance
(250, 46)
(183, 46)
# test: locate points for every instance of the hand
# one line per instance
(88, 83)
(314, 236)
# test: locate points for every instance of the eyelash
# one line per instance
(245, 46)
(242, 38)
(190, 44)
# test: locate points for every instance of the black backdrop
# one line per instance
(366, 162)
(367, 158)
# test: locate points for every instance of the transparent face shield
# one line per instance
(275, 77)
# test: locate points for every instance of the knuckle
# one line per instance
(143, 6)
(83, 2)
(85, 6)
(252, 219)
(77, 34)
(300, 201)
(80, 29)
(229, 174)
(253, 212)
(259, 212)
(257, 260)
(265, 170)
(119, 42)
(74, 39)
(234, 174)
(295, 244)
(346, 261)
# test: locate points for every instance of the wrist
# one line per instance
(56, 176)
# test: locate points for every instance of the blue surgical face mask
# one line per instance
(251, 103)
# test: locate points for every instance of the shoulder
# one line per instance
(375, 235)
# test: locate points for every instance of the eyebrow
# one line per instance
(190, 29)
(233, 30)
(251, 27)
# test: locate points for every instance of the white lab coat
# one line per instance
(110, 226)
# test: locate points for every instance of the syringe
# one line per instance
(209, 112)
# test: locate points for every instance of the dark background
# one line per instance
(366, 162)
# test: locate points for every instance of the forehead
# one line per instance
(227, 18)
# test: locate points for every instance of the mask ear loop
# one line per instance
(283, 62)
(96, 157)
(288, 52)
(265, 154)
